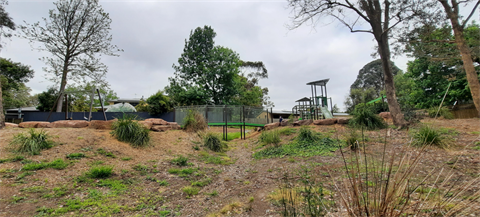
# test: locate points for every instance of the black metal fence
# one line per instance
(56, 116)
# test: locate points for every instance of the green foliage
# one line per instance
(75, 155)
(31, 143)
(162, 182)
(300, 147)
(214, 142)
(207, 158)
(182, 172)
(46, 99)
(142, 106)
(105, 153)
(201, 183)
(14, 159)
(194, 121)
(287, 131)
(428, 135)
(58, 164)
(128, 130)
(443, 112)
(100, 172)
(307, 135)
(364, 117)
(159, 103)
(270, 137)
(12, 78)
(180, 161)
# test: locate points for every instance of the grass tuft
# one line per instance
(364, 117)
(194, 121)
(31, 143)
(58, 164)
(190, 190)
(427, 135)
(75, 155)
(214, 142)
(180, 161)
(128, 130)
(100, 172)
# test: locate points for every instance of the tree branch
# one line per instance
(471, 14)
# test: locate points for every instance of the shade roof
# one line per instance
(304, 99)
(319, 82)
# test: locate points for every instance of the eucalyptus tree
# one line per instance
(376, 17)
(6, 23)
(76, 34)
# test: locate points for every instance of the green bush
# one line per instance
(306, 135)
(31, 143)
(287, 131)
(213, 142)
(128, 130)
(427, 135)
(444, 112)
(180, 161)
(75, 155)
(270, 137)
(365, 117)
(100, 172)
(194, 121)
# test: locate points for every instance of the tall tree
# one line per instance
(452, 11)
(12, 78)
(76, 33)
(372, 76)
(6, 23)
(381, 16)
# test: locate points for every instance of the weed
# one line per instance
(427, 135)
(190, 190)
(180, 161)
(202, 183)
(213, 193)
(251, 199)
(58, 164)
(15, 199)
(31, 143)
(75, 155)
(14, 159)
(287, 131)
(23, 175)
(162, 182)
(196, 147)
(352, 139)
(105, 153)
(100, 172)
(215, 159)
(33, 189)
(128, 130)
(214, 142)
(143, 169)
(306, 135)
(322, 146)
(443, 112)
(126, 158)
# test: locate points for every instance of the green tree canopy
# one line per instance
(159, 103)
(13, 76)
(46, 99)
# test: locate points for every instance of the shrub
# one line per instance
(364, 117)
(427, 135)
(194, 121)
(100, 172)
(75, 155)
(31, 143)
(444, 112)
(128, 130)
(213, 142)
(190, 190)
(270, 137)
(180, 161)
(352, 140)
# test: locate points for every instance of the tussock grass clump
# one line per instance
(352, 140)
(190, 190)
(443, 112)
(128, 130)
(214, 142)
(364, 117)
(31, 143)
(307, 135)
(100, 172)
(270, 137)
(194, 121)
(180, 161)
(428, 135)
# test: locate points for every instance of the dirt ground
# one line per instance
(239, 179)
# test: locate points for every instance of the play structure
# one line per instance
(316, 106)
(227, 115)
(92, 95)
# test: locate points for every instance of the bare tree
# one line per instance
(76, 33)
(452, 11)
(5, 22)
(381, 17)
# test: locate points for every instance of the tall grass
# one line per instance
(194, 121)
(305, 134)
(31, 143)
(389, 187)
(365, 117)
(214, 142)
(270, 137)
(126, 129)
(443, 112)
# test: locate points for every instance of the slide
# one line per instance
(326, 112)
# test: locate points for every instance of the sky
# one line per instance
(152, 34)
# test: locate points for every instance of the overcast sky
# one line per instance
(152, 35)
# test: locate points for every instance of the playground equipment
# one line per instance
(315, 107)
(227, 115)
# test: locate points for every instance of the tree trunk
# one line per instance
(63, 83)
(2, 116)
(393, 106)
(465, 52)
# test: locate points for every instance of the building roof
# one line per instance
(319, 82)
(25, 109)
(120, 100)
(304, 99)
